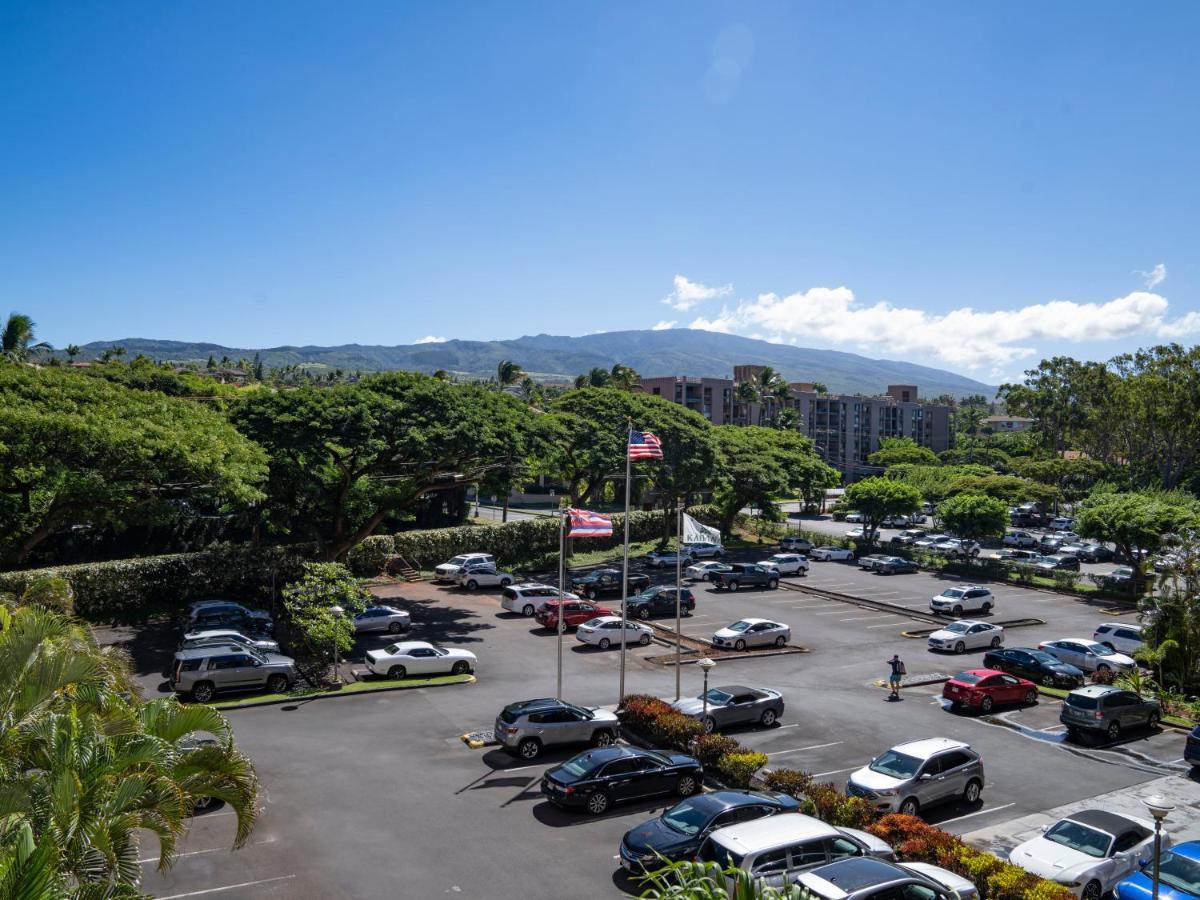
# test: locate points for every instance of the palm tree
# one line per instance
(819, 387)
(72, 351)
(16, 341)
(623, 377)
(766, 387)
(781, 395)
(581, 381)
(747, 395)
(507, 372)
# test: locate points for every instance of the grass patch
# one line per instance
(356, 688)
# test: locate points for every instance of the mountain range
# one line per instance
(559, 358)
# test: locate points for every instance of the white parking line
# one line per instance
(889, 624)
(978, 812)
(802, 749)
(154, 859)
(861, 618)
(831, 612)
(228, 887)
(837, 771)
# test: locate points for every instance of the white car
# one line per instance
(860, 534)
(1062, 523)
(1088, 655)
(704, 550)
(528, 598)
(1022, 540)
(967, 634)
(965, 598)
(752, 633)
(930, 540)
(419, 658)
(449, 571)
(605, 632)
(957, 547)
(827, 554)
(854, 517)
(382, 618)
(703, 571)
(1088, 852)
(793, 544)
(786, 563)
(487, 575)
(1124, 637)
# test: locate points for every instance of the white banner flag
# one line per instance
(695, 533)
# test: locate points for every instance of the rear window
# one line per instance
(1083, 701)
(968, 678)
(509, 593)
(189, 665)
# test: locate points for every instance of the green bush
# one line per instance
(736, 768)
(675, 730)
(371, 556)
(709, 748)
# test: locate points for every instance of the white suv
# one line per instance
(1124, 637)
(449, 571)
(1022, 540)
(527, 599)
(966, 598)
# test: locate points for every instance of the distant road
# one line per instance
(495, 513)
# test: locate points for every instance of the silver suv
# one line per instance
(912, 776)
(1108, 710)
(205, 671)
(527, 727)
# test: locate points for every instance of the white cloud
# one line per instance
(664, 325)
(1155, 276)
(965, 337)
(430, 339)
(1181, 327)
(691, 293)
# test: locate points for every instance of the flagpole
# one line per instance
(678, 591)
(625, 566)
(562, 603)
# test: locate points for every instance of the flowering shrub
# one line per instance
(736, 768)
(709, 748)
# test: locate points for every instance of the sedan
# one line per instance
(1087, 552)
(854, 517)
(1021, 557)
(382, 618)
(1036, 665)
(872, 562)
(1019, 539)
(829, 554)
(702, 571)
(704, 550)
(965, 635)
(419, 658)
(862, 534)
(604, 631)
(983, 689)
(1178, 876)
(896, 565)
(595, 779)
(786, 563)
(1088, 852)
(753, 633)
(678, 833)
(930, 540)
(908, 537)
(577, 612)
(733, 705)
(660, 559)
(1088, 655)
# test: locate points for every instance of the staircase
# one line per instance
(401, 568)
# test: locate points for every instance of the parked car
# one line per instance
(1088, 655)
(872, 562)
(1034, 664)
(704, 550)
(958, 547)
(830, 554)
(1108, 710)
(1087, 552)
(896, 565)
(930, 539)
(919, 774)
(607, 581)
(982, 689)
(207, 610)
(1178, 876)
(702, 571)
(605, 631)
(660, 559)
(233, 618)
(205, 672)
(733, 705)
(896, 521)
(1125, 637)
(528, 598)
(1088, 852)
(528, 727)
(419, 658)
(1062, 523)
(1119, 579)
(1022, 540)
(1060, 562)
(1050, 544)
(660, 601)
(877, 879)
(678, 833)
(449, 570)
(484, 575)
(863, 534)
(382, 618)
(752, 633)
(202, 637)
(966, 634)
(1191, 750)
(748, 575)
(1021, 557)
(1168, 562)
(854, 517)
(777, 849)
(576, 613)
(966, 598)
(794, 544)
(595, 779)
(786, 563)
(908, 537)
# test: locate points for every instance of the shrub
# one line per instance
(709, 748)
(674, 730)
(792, 782)
(52, 592)
(372, 555)
(639, 711)
(736, 768)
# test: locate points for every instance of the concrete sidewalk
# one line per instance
(1183, 823)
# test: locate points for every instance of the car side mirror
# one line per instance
(924, 776)
(1145, 861)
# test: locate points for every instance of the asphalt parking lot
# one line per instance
(376, 795)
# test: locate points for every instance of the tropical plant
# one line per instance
(321, 607)
(622, 377)
(708, 881)
(72, 351)
(17, 339)
(508, 372)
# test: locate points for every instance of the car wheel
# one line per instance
(277, 684)
(1030, 698)
(781, 641)
(996, 643)
(397, 672)
(971, 793)
(529, 748)
(590, 594)
(603, 739)
(1103, 667)
(604, 643)
(472, 584)
(462, 667)
(395, 627)
(597, 803)
(767, 719)
(739, 646)
(773, 583)
(960, 647)
(644, 640)
(1092, 891)
(957, 611)
(1113, 731)
(909, 807)
(733, 585)
(505, 582)
(1152, 720)
(203, 692)
(643, 613)
(710, 724)
(687, 786)
(704, 577)
(986, 608)
(528, 610)
(985, 705)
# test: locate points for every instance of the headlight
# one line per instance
(886, 792)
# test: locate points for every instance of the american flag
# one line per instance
(589, 524)
(644, 445)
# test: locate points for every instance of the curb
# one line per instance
(327, 694)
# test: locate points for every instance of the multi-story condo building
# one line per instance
(711, 397)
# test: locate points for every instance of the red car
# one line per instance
(984, 688)
(578, 612)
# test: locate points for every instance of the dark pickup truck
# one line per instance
(745, 576)
(607, 581)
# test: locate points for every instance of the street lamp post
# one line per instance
(1160, 809)
(705, 664)
(338, 612)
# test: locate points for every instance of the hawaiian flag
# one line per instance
(589, 524)
(644, 445)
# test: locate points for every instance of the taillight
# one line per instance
(1098, 714)
(569, 790)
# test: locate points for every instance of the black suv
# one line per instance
(607, 581)
(660, 601)
(745, 576)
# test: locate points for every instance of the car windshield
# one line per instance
(1043, 657)
(685, 818)
(956, 627)
(968, 678)
(897, 765)
(739, 626)
(717, 696)
(953, 593)
(1179, 872)
(1082, 701)
(1080, 837)
(586, 713)
(457, 561)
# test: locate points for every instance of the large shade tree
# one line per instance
(1137, 523)
(880, 497)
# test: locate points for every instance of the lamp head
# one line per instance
(706, 663)
(1158, 806)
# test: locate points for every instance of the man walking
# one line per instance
(897, 675)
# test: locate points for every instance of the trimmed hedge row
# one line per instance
(909, 836)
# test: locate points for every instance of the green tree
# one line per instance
(933, 482)
(1007, 488)
(212, 362)
(974, 516)
(17, 339)
(72, 351)
(900, 450)
(1137, 523)
(880, 497)
(622, 377)
(315, 628)
(973, 452)
(820, 388)
(1072, 478)
(508, 372)
(747, 394)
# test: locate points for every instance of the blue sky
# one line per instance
(965, 185)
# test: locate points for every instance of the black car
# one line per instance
(896, 565)
(607, 581)
(1191, 752)
(1057, 563)
(250, 625)
(678, 833)
(1036, 665)
(660, 601)
(596, 779)
(745, 576)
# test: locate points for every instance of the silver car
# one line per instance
(866, 878)
(528, 727)
(919, 774)
(752, 633)
(206, 671)
(209, 636)
(382, 618)
(733, 705)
